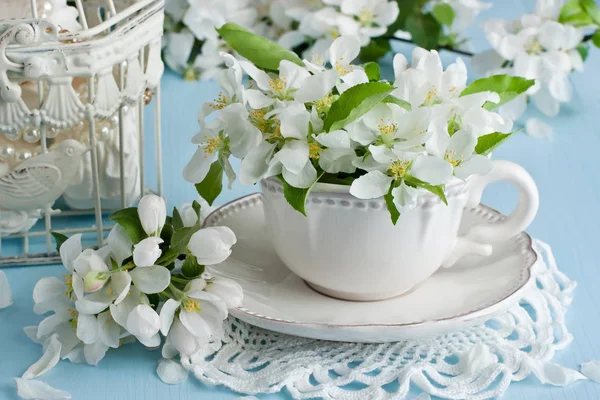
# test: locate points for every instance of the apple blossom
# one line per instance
(152, 212)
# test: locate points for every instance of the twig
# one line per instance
(461, 52)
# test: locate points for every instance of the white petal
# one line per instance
(85, 306)
(462, 143)
(560, 88)
(5, 293)
(256, 163)
(143, 321)
(316, 86)
(431, 169)
(121, 311)
(591, 370)
(227, 289)
(32, 333)
(150, 342)
(110, 331)
(196, 169)
(547, 104)
(344, 50)
(120, 244)
(338, 160)
(293, 155)
(120, 283)
(51, 323)
(211, 246)
(69, 251)
(48, 361)
(370, 186)
(400, 64)
(94, 353)
(88, 330)
(167, 314)
(554, 374)
(334, 139)
(146, 252)
(538, 129)
(303, 179)
(48, 288)
(171, 372)
(514, 109)
(294, 121)
(152, 279)
(260, 77)
(382, 154)
(258, 99)
(486, 61)
(203, 324)
(182, 339)
(476, 165)
(405, 197)
(30, 389)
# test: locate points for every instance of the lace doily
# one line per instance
(478, 363)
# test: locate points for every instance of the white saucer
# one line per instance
(469, 293)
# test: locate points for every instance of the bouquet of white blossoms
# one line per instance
(149, 279)
(327, 120)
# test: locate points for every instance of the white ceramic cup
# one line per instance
(348, 248)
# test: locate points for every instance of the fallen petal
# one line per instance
(554, 374)
(591, 369)
(48, 361)
(538, 129)
(171, 372)
(30, 389)
(5, 293)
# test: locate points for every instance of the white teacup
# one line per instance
(348, 248)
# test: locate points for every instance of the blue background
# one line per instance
(566, 169)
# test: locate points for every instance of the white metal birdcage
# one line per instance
(74, 83)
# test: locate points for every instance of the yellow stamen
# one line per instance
(191, 305)
(276, 134)
(212, 144)
(431, 94)
(257, 118)
(342, 68)
(73, 321)
(453, 158)
(324, 103)
(399, 168)
(387, 129)
(314, 150)
(69, 284)
(278, 84)
(366, 16)
(220, 102)
(334, 33)
(110, 291)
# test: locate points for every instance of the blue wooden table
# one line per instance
(566, 169)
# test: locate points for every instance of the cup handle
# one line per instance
(479, 238)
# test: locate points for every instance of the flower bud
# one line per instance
(146, 252)
(152, 211)
(212, 245)
(95, 281)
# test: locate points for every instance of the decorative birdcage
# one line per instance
(74, 84)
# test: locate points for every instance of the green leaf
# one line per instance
(572, 13)
(443, 13)
(190, 267)
(438, 190)
(130, 221)
(389, 201)
(297, 197)
(354, 103)
(59, 238)
(591, 9)
(211, 186)
(596, 38)
(181, 238)
(372, 71)
(196, 207)
(508, 87)
(337, 179)
(264, 53)
(395, 100)
(166, 234)
(583, 49)
(376, 49)
(425, 30)
(177, 221)
(487, 143)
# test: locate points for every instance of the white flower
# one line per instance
(212, 245)
(120, 244)
(152, 211)
(144, 323)
(200, 315)
(374, 17)
(227, 289)
(5, 293)
(202, 17)
(146, 252)
(458, 150)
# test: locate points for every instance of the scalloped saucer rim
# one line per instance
(244, 216)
